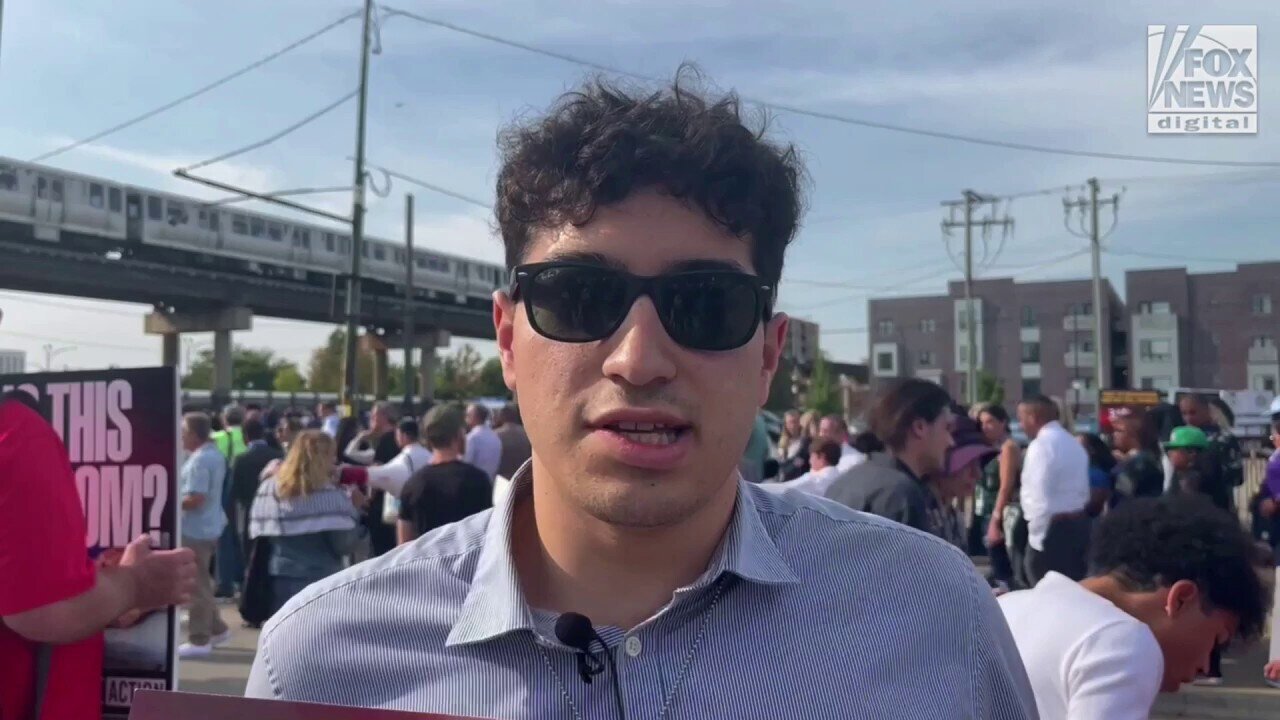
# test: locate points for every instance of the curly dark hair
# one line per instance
(1149, 543)
(601, 143)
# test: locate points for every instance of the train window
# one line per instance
(462, 270)
(344, 245)
(328, 242)
(56, 194)
(306, 239)
(8, 177)
(364, 250)
(257, 228)
(177, 213)
(114, 201)
(239, 224)
(154, 211)
(42, 188)
(421, 262)
(96, 198)
(275, 232)
(399, 257)
(379, 252)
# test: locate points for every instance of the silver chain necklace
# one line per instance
(684, 667)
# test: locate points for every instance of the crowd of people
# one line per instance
(1032, 510)
(271, 513)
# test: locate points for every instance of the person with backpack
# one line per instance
(229, 555)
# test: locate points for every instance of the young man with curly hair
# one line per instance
(645, 233)
(1172, 579)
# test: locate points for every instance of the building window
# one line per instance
(928, 325)
(1155, 350)
(1030, 352)
(884, 362)
(1153, 308)
(1158, 382)
(926, 358)
(1030, 386)
(1079, 346)
(1028, 316)
(1262, 304)
(885, 328)
(1264, 341)
(1081, 309)
(1265, 383)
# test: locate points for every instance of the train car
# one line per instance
(93, 214)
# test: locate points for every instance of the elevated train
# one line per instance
(91, 214)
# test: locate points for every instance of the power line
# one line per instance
(835, 117)
(78, 342)
(197, 93)
(276, 136)
(429, 186)
(855, 286)
(1182, 258)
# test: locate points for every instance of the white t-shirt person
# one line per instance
(1086, 658)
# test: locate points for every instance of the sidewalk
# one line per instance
(227, 670)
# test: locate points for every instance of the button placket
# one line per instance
(632, 646)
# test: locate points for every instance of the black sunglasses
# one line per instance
(700, 309)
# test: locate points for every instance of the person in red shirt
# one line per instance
(51, 594)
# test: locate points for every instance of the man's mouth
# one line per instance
(647, 433)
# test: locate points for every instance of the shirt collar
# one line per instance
(495, 604)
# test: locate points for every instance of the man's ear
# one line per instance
(775, 337)
(504, 314)
(1183, 595)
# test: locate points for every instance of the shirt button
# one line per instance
(632, 646)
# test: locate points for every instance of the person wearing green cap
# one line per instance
(1184, 447)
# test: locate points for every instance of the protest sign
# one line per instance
(120, 428)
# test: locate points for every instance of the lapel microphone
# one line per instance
(576, 631)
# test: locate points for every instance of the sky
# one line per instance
(1061, 75)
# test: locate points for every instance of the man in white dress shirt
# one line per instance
(484, 447)
(835, 429)
(824, 460)
(1055, 488)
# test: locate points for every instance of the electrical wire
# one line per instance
(77, 342)
(1181, 258)
(835, 117)
(276, 136)
(198, 92)
(429, 186)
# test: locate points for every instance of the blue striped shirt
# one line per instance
(807, 610)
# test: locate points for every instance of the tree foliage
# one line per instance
(823, 396)
(250, 370)
(990, 390)
(781, 399)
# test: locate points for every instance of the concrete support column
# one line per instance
(381, 373)
(427, 376)
(171, 349)
(221, 367)
(219, 322)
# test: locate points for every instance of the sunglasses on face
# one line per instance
(700, 309)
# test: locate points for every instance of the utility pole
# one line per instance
(408, 303)
(971, 200)
(350, 396)
(1090, 207)
(51, 352)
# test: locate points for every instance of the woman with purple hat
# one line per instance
(965, 460)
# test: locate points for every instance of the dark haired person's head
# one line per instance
(1036, 411)
(408, 430)
(253, 429)
(866, 443)
(646, 232)
(824, 453)
(995, 422)
(1185, 568)
(1195, 410)
(1134, 430)
(445, 428)
(1099, 454)
(913, 418)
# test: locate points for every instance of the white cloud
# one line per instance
(465, 235)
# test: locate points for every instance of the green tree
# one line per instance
(490, 383)
(288, 379)
(824, 389)
(781, 399)
(324, 371)
(990, 390)
(458, 376)
(250, 369)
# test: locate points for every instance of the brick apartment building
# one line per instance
(1034, 337)
(1209, 330)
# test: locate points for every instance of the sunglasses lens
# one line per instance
(576, 304)
(709, 311)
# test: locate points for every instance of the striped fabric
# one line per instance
(809, 610)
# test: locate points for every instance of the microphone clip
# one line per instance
(589, 665)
